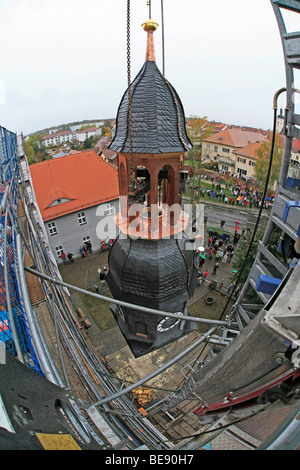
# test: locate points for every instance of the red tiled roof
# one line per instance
(248, 151)
(235, 137)
(84, 178)
(295, 143)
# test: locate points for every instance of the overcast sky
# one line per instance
(65, 60)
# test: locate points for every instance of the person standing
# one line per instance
(230, 287)
(89, 246)
(70, 257)
(102, 274)
(216, 266)
(225, 257)
(82, 252)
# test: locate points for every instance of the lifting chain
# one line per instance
(133, 182)
(163, 36)
(132, 166)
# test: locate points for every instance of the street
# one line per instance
(217, 212)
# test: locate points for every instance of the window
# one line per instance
(216, 148)
(52, 228)
(81, 218)
(59, 250)
(86, 239)
(208, 146)
(225, 150)
(110, 210)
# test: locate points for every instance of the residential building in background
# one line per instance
(75, 135)
(75, 193)
(58, 138)
(245, 159)
(222, 149)
(83, 134)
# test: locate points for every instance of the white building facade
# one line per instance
(61, 138)
(58, 138)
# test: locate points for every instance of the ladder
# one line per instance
(268, 271)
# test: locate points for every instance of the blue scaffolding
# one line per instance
(14, 330)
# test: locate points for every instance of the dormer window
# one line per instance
(58, 201)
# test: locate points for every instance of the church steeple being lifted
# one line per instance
(149, 264)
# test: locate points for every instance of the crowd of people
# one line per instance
(85, 250)
(236, 194)
(218, 249)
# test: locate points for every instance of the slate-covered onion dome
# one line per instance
(158, 120)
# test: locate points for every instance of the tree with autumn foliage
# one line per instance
(198, 129)
(262, 163)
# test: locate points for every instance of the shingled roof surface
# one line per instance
(158, 120)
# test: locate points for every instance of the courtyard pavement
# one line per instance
(113, 348)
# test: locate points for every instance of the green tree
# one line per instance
(89, 142)
(29, 152)
(241, 251)
(86, 126)
(34, 143)
(262, 163)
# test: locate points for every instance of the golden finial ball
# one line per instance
(150, 25)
